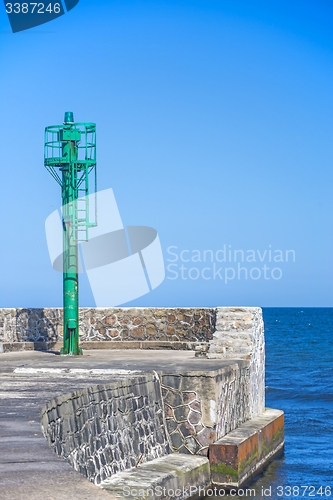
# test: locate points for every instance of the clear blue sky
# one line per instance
(215, 127)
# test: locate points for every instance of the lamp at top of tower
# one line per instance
(69, 117)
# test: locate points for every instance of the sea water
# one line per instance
(299, 381)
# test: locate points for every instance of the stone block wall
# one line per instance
(202, 407)
(107, 428)
(239, 334)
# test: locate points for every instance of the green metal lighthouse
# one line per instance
(70, 157)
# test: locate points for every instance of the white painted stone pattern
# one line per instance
(239, 334)
(8, 325)
(233, 394)
(111, 324)
(108, 428)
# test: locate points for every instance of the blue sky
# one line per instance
(214, 123)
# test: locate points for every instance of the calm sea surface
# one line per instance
(299, 381)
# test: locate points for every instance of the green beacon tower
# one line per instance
(70, 157)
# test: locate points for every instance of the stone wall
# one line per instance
(239, 334)
(223, 333)
(108, 428)
(114, 324)
(34, 325)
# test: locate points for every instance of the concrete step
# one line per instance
(239, 456)
(175, 476)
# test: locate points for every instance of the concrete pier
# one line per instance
(32, 380)
(156, 392)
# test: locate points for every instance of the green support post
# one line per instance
(70, 256)
(71, 149)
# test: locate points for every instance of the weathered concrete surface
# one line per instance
(102, 344)
(29, 469)
(239, 456)
(177, 474)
